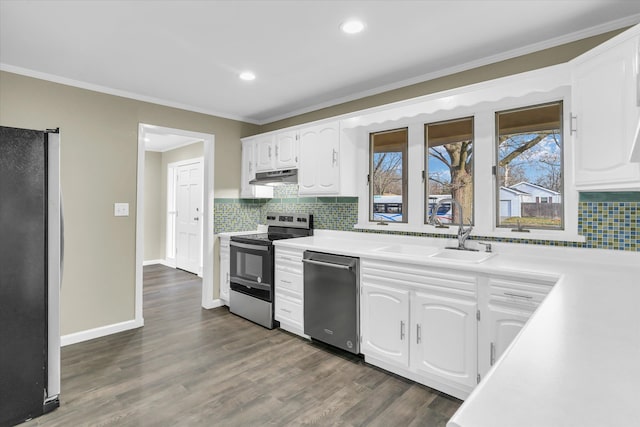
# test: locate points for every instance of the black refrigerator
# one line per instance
(30, 273)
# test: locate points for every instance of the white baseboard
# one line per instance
(213, 303)
(101, 331)
(157, 261)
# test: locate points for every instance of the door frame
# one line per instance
(207, 221)
(171, 187)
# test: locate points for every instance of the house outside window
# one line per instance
(388, 176)
(529, 167)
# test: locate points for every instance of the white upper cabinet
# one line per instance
(319, 159)
(286, 150)
(277, 151)
(265, 152)
(606, 100)
(248, 172)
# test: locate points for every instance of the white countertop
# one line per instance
(575, 363)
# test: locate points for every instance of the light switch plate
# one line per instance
(121, 209)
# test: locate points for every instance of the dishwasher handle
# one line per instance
(328, 264)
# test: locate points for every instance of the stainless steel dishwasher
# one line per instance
(331, 303)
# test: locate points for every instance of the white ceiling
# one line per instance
(188, 54)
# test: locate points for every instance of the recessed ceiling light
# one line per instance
(247, 75)
(352, 26)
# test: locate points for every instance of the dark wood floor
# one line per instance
(194, 367)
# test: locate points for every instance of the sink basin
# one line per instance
(415, 250)
(462, 256)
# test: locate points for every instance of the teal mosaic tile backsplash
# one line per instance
(607, 220)
(329, 213)
(610, 220)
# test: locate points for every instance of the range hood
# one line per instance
(287, 176)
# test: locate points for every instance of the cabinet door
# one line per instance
(504, 324)
(319, 169)
(224, 273)
(445, 337)
(605, 103)
(265, 153)
(384, 323)
(286, 150)
(248, 171)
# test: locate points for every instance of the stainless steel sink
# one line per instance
(415, 250)
(456, 255)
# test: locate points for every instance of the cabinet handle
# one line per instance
(418, 334)
(492, 354)
(285, 281)
(572, 129)
(276, 151)
(250, 167)
(401, 330)
(334, 157)
(227, 277)
(285, 310)
(269, 151)
(509, 294)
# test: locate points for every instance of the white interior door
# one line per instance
(188, 217)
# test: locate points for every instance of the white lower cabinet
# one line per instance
(506, 304)
(445, 337)
(289, 290)
(504, 324)
(225, 258)
(384, 323)
(420, 323)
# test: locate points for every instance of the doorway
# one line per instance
(145, 133)
(184, 215)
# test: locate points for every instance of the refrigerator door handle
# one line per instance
(61, 239)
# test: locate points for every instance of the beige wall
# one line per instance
(99, 136)
(543, 58)
(153, 207)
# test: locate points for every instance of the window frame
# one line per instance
(483, 113)
(405, 180)
(562, 167)
(426, 167)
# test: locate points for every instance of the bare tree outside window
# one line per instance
(450, 168)
(388, 176)
(529, 172)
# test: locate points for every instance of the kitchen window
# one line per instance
(512, 164)
(529, 168)
(388, 176)
(449, 160)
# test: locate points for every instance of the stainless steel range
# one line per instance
(252, 269)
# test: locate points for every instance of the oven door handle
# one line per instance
(327, 264)
(250, 284)
(247, 246)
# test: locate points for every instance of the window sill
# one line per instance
(549, 235)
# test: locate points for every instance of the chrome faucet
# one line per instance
(463, 233)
